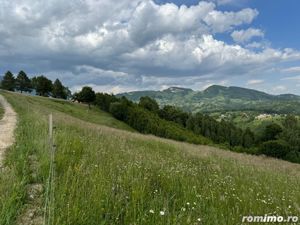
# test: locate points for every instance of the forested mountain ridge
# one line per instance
(220, 98)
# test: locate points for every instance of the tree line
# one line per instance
(279, 141)
(41, 84)
(171, 122)
(137, 117)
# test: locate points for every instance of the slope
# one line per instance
(1, 111)
(108, 176)
(218, 98)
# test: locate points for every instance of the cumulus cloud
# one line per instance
(224, 21)
(242, 36)
(128, 43)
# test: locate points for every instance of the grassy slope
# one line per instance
(109, 176)
(1, 111)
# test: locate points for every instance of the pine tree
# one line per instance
(58, 90)
(42, 85)
(8, 82)
(23, 82)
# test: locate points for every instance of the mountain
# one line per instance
(218, 98)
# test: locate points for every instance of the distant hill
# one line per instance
(218, 98)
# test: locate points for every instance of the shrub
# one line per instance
(277, 148)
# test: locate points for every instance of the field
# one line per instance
(1, 111)
(107, 174)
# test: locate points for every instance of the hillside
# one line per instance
(219, 98)
(105, 175)
(1, 112)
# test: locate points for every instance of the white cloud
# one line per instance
(253, 82)
(223, 21)
(242, 36)
(279, 88)
(231, 2)
(122, 43)
(297, 78)
(292, 70)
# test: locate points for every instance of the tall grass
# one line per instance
(108, 176)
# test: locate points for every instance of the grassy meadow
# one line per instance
(107, 175)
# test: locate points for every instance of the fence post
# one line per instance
(50, 129)
(49, 187)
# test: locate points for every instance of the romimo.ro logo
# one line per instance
(270, 219)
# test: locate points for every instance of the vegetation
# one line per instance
(58, 90)
(8, 81)
(171, 122)
(144, 117)
(1, 111)
(22, 82)
(41, 84)
(86, 95)
(107, 176)
(221, 99)
(149, 104)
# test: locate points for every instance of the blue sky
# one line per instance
(127, 45)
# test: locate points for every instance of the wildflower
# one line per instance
(199, 219)
(188, 203)
(183, 209)
(151, 211)
(162, 213)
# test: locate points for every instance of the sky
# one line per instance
(129, 45)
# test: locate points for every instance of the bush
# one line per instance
(277, 148)
(119, 110)
(293, 156)
(149, 104)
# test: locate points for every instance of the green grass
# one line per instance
(1, 112)
(81, 111)
(109, 176)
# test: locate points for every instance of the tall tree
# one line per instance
(271, 132)
(86, 95)
(23, 82)
(149, 103)
(8, 82)
(68, 93)
(42, 85)
(59, 91)
(248, 138)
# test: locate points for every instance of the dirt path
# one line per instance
(7, 127)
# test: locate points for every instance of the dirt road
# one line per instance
(7, 127)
